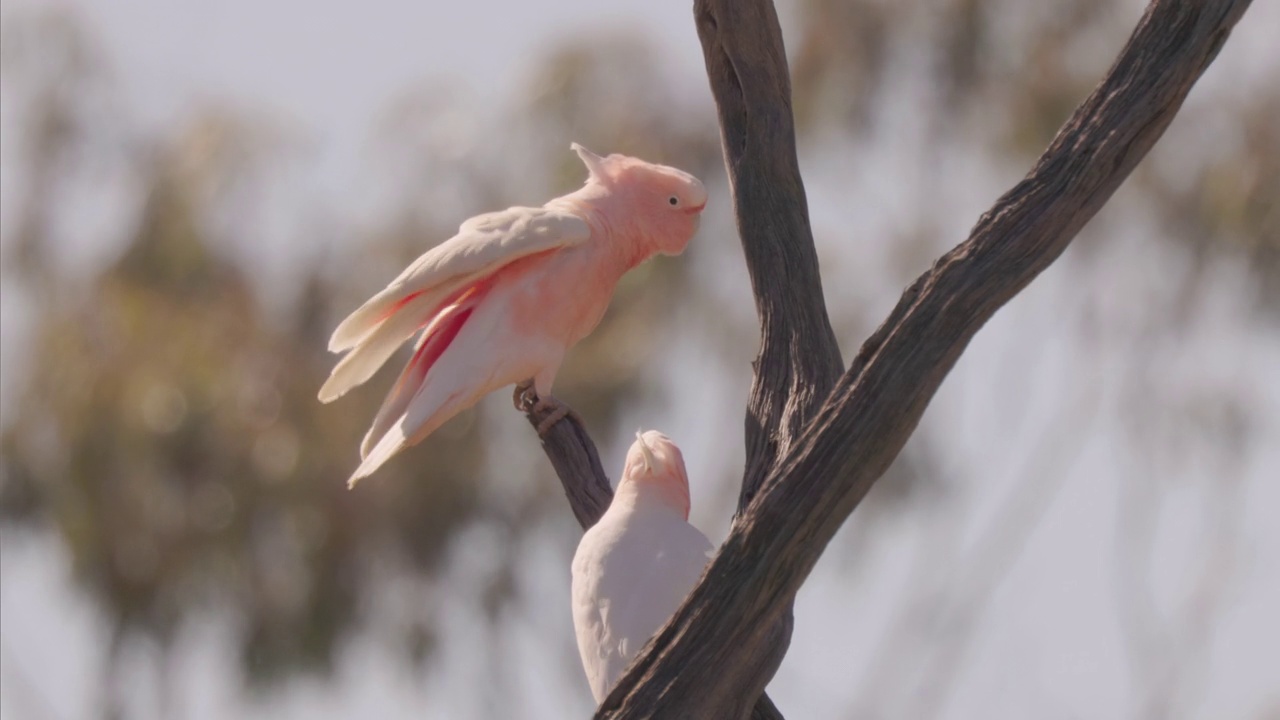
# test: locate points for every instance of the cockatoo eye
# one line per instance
(675, 201)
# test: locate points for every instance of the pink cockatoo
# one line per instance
(635, 566)
(504, 299)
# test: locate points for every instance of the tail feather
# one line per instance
(403, 432)
(390, 444)
(429, 349)
(366, 318)
(390, 432)
(384, 324)
(358, 325)
(373, 351)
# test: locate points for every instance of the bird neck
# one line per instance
(605, 212)
(653, 493)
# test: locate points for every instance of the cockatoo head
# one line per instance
(665, 203)
(656, 468)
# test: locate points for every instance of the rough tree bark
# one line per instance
(587, 488)
(807, 473)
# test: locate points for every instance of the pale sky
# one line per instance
(330, 73)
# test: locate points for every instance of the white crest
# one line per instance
(594, 163)
(646, 452)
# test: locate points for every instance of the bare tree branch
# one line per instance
(577, 464)
(694, 668)
(799, 361)
(587, 488)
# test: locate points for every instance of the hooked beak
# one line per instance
(594, 163)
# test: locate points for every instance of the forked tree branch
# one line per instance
(694, 668)
(798, 361)
(586, 487)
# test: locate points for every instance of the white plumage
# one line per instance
(634, 567)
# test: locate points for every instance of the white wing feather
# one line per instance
(483, 244)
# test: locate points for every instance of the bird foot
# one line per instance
(525, 398)
(527, 401)
(556, 411)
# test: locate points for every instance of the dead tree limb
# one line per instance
(586, 487)
(798, 361)
(695, 666)
(577, 463)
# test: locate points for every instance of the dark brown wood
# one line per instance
(694, 668)
(577, 464)
(799, 360)
(586, 487)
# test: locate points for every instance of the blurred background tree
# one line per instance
(160, 422)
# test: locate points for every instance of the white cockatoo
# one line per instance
(636, 565)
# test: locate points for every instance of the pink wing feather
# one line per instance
(436, 338)
(439, 278)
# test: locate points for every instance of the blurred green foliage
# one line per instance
(168, 429)
(172, 436)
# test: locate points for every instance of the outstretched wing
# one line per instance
(483, 245)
